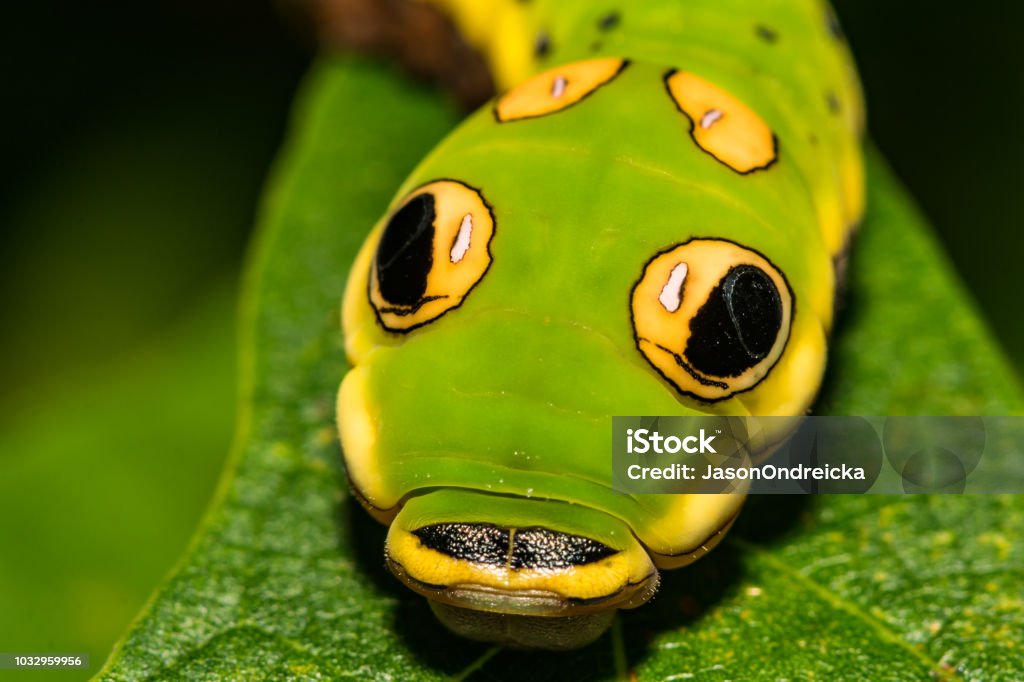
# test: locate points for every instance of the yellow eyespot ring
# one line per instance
(712, 317)
(557, 89)
(721, 125)
(431, 251)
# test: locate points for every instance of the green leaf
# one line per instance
(286, 577)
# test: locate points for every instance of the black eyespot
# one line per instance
(428, 254)
(405, 254)
(738, 324)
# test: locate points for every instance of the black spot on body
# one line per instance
(768, 35)
(542, 45)
(596, 46)
(833, 103)
(609, 21)
(738, 324)
(405, 254)
(832, 23)
(479, 543)
(543, 548)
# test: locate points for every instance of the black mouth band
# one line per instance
(517, 548)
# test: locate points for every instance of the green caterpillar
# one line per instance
(649, 220)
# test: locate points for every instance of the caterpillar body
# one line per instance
(647, 220)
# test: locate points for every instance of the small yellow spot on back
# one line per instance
(556, 89)
(722, 125)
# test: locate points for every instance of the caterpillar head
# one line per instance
(572, 252)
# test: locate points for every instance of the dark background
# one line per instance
(137, 137)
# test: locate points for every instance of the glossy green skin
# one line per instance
(513, 391)
(786, 81)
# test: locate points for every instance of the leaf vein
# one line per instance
(879, 627)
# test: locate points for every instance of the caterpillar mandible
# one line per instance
(650, 218)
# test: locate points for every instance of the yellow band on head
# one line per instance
(429, 571)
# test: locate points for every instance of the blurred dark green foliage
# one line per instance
(945, 89)
(137, 137)
(136, 140)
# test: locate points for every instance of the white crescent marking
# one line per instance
(461, 245)
(710, 118)
(559, 86)
(671, 294)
